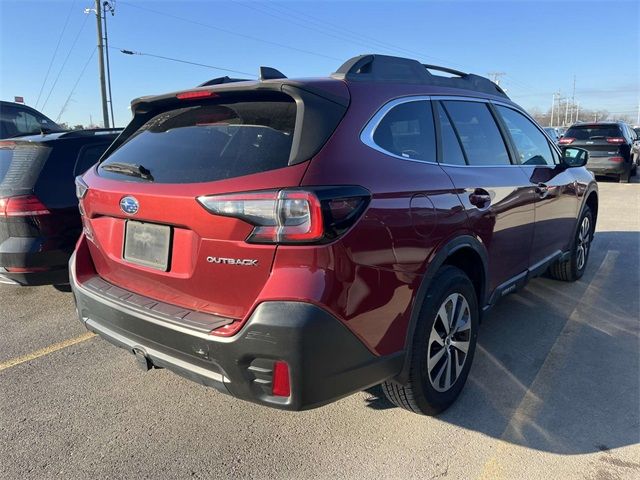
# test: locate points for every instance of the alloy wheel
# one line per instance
(584, 238)
(449, 342)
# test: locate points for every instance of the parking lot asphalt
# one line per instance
(554, 392)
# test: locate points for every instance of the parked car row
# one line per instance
(614, 147)
(291, 242)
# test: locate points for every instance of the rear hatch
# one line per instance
(22, 214)
(603, 141)
(148, 232)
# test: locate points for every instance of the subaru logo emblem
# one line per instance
(129, 205)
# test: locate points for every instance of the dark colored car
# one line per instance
(612, 147)
(553, 133)
(17, 120)
(39, 218)
(291, 242)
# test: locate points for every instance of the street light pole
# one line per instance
(103, 86)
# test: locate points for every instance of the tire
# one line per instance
(624, 177)
(573, 268)
(426, 392)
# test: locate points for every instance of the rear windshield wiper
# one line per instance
(128, 169)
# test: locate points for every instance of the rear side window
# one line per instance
(16, 121)
(88, 156)
(478, 132)
(451, 150)
(207, 142)
(531, 144)
(593, 132)
(407, 130)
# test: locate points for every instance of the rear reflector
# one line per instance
(615, 140)
(22, 206)
(281, 383)
(565, 140)
(616, 159)
(195, 94)
(25, 270)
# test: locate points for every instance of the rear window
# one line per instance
(593, 132)
(20, 166)
(207, 142)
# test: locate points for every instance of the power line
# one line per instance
(55, 52)
(75, 40)
(344, 32)
(230, 32)
(131, 52)
(64, 106)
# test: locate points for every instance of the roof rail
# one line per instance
(385, 68)
(221, 80)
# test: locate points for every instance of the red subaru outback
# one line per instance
(291, 242)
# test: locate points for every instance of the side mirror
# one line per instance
(574, 157)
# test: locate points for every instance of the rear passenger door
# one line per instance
(494, 191)
(554, 188)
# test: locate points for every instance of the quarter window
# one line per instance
(478, 133)
(532, 145)
(407, 130)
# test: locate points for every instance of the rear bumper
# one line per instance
(326, 360)
(36, 262)
(58, 276)
(603, 166)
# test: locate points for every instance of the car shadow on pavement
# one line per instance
(557, 364)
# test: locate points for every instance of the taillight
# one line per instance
(81, 188)
(22, 206)
(292, 216)
(615, 140)
(566, 141)
(616, 159)
(281, 385)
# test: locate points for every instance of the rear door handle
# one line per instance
(480, 198)
(542, 190)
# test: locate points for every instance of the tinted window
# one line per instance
(593, 132)
(88, 157)
(200, 143)
(478, 133)
(451, 150)
(531, 144)
(407, 130)
(20, 165)
(20, 121)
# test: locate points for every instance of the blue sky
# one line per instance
(540, 45)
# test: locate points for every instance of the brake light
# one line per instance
(615, 140)
(281, 386)
(22, 206)
(195, 94)
(292, 216)
(81, 188)
(616, 159)
(566, 141)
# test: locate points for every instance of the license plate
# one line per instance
(147, 244)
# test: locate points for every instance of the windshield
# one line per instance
(207, 142)
(17, 121)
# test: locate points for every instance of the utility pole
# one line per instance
(495, 77)
(573, 97)
(577, 112)
(103, 86)
(566, 112)
(106, 5)
(553, 104)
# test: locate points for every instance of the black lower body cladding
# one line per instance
(326, 361)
